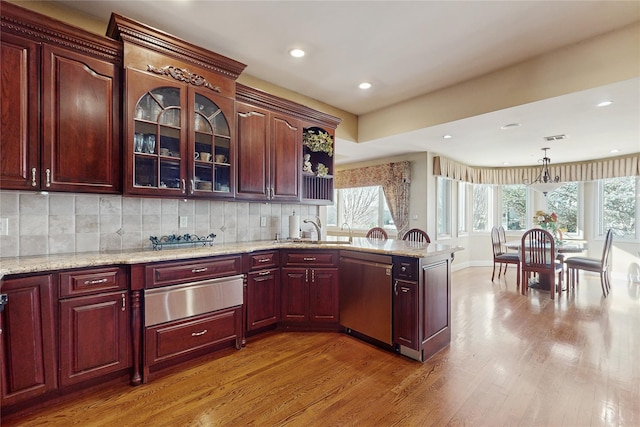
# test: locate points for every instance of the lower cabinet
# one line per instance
(94, 336)
(263, 298)
(405, 313)
(170, 340)
(27, 345)
(310, 288)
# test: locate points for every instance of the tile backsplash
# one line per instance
(54, 223)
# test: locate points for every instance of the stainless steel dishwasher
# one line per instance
(366, 294)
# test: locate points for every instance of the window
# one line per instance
(361, 207)
(564, 201)
(618, 206)
(514, 207)
(443, 214)
(482, 207)
(462, 208)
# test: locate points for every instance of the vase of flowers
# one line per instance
(548, 221)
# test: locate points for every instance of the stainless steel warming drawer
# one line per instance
(190, 299)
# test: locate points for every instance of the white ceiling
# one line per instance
(409, 48)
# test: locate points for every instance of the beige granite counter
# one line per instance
(35, 264)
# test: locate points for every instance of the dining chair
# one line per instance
(500, 257)
(602, 265)
(377, 233)
(416, 235)
(538, 256)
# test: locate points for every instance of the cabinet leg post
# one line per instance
(136, 331)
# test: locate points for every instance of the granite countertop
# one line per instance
(42, 263)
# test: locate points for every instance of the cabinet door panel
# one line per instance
(286, 156)
(94, 336)
(253, 152)
(405, 314)
(263, 297)
(295, 294)
(27, 347)
(324, 295)
(81, 110)
(19, 130)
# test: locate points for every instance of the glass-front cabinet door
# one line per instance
(181, 141)
(211, 143)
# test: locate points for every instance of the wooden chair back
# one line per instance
(377, 233)
(496, 242)
(416, 235)
(538, 256)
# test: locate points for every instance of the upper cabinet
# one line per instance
(271, 151)
(179, 122)
(60, 105)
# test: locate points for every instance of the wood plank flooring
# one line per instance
(513, 360)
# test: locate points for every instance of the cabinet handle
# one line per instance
(273, 193)
(267, 192)
(313, 276)
(309, 258)
(199, 270)
(48, 173)
(403, 269)
(264, 273)
(184, 187)
(34, 183)
(264, 260)
(404, 290)
(193, 185)
(306, 276)
(124, 302)
(395, 288)
(197, 334)
(95, 282)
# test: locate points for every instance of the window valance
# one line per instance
(394, 179)
(614, 167)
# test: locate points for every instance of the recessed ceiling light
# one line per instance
(296, 53)
(447, 136)
(605, 103)
(615, 150)
(364, 85)
(510, 126)
(505, 163)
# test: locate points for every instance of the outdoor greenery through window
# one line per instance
(444, 206)
(482, 207)
(362, 208)
(618, 204)
(514, 207)
(564, 202)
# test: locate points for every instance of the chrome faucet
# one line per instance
(349, 227)
(317, 224)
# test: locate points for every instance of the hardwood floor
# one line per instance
(513, 360)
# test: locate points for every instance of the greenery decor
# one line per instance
(318, 141)
(322, 170)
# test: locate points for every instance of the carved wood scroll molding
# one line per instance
(183, 75)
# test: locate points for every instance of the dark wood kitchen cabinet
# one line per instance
(269, 153)
(262, 298)
(94, 324)
(310, 288)
(27, 345)
(422, 305)
(179, 114)
(61, 106)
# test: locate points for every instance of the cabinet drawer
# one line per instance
(263, 260)
(311, 258)
(405, 268)
(170, 273)
(83, 282)
(181, 337)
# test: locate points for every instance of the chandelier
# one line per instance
(544, 183)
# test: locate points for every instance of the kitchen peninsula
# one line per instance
(64, 302)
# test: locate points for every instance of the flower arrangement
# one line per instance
(549, 222)
(322, 170)
(318, 141)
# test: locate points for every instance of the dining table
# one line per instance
(562, 248)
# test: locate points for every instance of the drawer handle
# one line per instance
(95, 282)
(264, 260)
(264, 273)
(198, 334)
(404, 290)
(403, 269)
(199, 270)
(309, 258)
